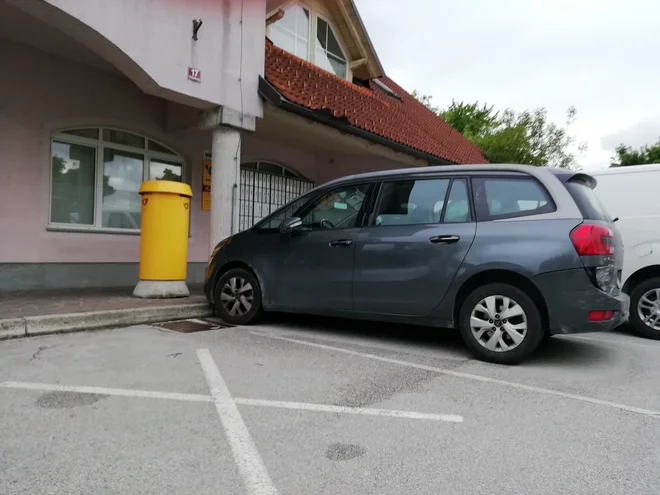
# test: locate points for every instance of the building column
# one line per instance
(226, 126)
(225, 183)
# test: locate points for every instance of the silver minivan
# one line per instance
(508, 254)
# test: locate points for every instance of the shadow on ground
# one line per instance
(555, 351)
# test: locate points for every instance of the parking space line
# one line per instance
(468, 376)
(149, 394)
(351, 410)
(247, 457)
(303, 406)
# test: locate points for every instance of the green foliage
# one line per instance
(626, 155)
(512, 137)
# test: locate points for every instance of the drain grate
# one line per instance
(191, 326)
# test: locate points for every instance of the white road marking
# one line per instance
(108, 391)
(625, 342)
(350, 410)
(303, 406)
(469, 376)
(247, 457)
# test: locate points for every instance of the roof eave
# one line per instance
(271, 94)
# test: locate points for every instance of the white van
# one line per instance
(633, 195)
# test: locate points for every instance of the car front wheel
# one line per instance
(501, 324)
(238, 297)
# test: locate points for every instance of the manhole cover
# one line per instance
(190, 326)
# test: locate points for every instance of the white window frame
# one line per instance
(99, 145)
(313, 15)
(296, 175)
(341, 44)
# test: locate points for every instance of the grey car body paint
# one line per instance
(537, 247)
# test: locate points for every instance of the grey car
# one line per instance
(508, 254)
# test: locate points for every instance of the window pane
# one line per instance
(458, 206)
(164, 170)
(250, 166)
(302, 49)
(333, 45)
(274, 221)
(86, 133)
(412, 202)
(302, 22)
(337, 67)
(121, 137)
(283, 38)
(153, 146)
(337, 209)
(322, 33)
(73, 179)
(269, 168)
(122, 177)
(511, 196)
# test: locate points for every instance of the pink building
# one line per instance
(97, 96)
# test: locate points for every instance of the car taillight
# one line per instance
(600, 315)
(593, 240)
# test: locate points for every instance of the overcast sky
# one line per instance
(599, 55)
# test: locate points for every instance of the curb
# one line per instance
(97, 320)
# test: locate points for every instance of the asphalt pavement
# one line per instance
(315, 406)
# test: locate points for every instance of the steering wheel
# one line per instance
(326, 224)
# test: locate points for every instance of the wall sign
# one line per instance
(206, 181)
(194, 74)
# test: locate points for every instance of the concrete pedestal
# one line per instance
(161, 289)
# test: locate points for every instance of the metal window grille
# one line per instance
(263, 193)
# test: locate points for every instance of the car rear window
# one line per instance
(510, 197)
(587, 201)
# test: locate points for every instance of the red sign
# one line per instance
(194, 74)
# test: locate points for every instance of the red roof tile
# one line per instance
(404, 121)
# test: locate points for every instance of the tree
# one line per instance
(168, 174)
(512, 137)
(645, 155)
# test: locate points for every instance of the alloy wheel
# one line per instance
(648, 309)
(498, 323)
(237, 296)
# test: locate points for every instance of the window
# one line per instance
(291, 32)
(510, 197)
(458, 204)
(96, 174)
(587, 200)
(336, 209)
(329, 55)
(274, 221)
(411, 202)
(297, 27)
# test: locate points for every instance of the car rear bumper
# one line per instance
(570, 296)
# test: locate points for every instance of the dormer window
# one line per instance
(329, 55)
(294, 30)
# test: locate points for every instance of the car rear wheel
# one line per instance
(645, 308)
(501, 324)
(238, 297)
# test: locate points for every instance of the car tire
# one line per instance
(238, 297)
(652, 284)
(504, 342)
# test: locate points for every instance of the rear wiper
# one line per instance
(615, 219)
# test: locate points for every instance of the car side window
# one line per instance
(274, 221)
(507, 197)
(411, 202)
(458, 203)
(336, 209)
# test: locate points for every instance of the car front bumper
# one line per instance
(570, 296)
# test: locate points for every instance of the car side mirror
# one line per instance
(290, 225)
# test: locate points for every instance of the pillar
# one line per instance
(225, 183)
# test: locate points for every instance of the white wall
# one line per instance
(156, 36)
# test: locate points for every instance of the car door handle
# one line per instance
(444, 239)
(341, 243)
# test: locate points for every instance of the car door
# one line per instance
(417, 237)
(315, 268)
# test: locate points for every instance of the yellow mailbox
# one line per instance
(164, 239)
